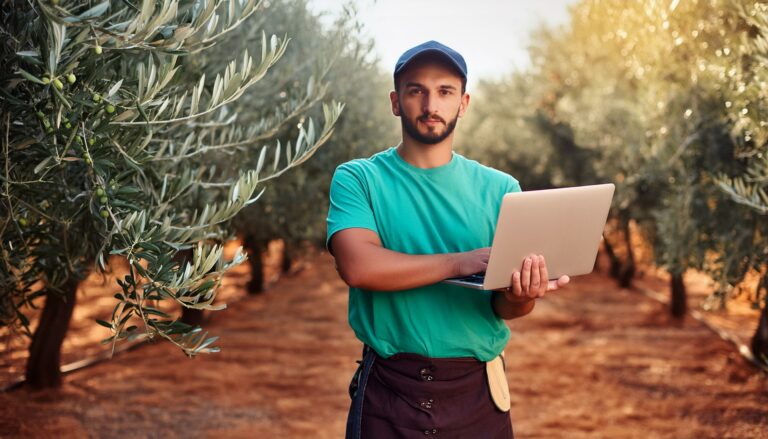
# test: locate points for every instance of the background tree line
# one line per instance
(668, 101)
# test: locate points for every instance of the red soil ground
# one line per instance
(591, 361)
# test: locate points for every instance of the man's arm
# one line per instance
(511, 308)
(364, 263)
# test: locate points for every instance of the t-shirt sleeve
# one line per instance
(513, 185)
(350, 204)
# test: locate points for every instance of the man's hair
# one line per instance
(433, 59)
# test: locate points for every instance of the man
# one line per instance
(400, 222)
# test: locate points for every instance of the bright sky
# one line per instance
(492, 35)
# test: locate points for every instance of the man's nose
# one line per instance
(429, 104)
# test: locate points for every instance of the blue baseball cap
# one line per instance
(452, 56)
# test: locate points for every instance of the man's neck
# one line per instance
(426, 156)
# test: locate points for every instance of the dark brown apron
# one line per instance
(412, 396)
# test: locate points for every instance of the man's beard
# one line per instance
(429, 138)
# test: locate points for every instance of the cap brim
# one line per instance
(438, 51)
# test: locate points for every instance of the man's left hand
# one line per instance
(532, 281)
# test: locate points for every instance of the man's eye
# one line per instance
(445, 92)
(415, 91)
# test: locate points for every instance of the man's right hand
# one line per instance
(472, 262)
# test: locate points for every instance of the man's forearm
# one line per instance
(380, 269)
(507, 309)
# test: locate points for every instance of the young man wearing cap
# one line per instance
(400, 222)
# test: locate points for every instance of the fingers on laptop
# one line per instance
(535, 277)
(535, 287)
(526, 275)
(544, 276)
(559, 283)
(517, 288)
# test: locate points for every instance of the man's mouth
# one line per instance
(431, 122)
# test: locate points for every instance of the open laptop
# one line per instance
(565, 225)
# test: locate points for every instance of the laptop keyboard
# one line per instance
(476, 278)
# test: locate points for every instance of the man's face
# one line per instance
(429, 101)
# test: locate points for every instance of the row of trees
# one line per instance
(668, 101)
(142, 130)
(296, 212)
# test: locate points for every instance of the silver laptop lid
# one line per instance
(565, 225)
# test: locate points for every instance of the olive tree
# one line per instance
(105, 136)
(741, 66)
(665, 100)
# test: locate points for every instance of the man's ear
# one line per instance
(395, 102)
(464, 104)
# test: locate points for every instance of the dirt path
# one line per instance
(588, 362)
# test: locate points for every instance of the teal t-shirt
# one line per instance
(447, 209)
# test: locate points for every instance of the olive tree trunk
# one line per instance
(287, 260)
(190, 316)
(194, 317)
(760, 339)
(629, 267)
(44, 362)
(254, 248)
(678, 299)
(615, 269)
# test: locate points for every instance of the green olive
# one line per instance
(103, 199)
(100, 192)
(57, 83)
(97, 50)
(110, 108)
(91, 141)
(96, 98)
(40, 115)
(68, 126)
(104, 213)
(22, 222)
(55, 2)
(71, 78)
(46, 80)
